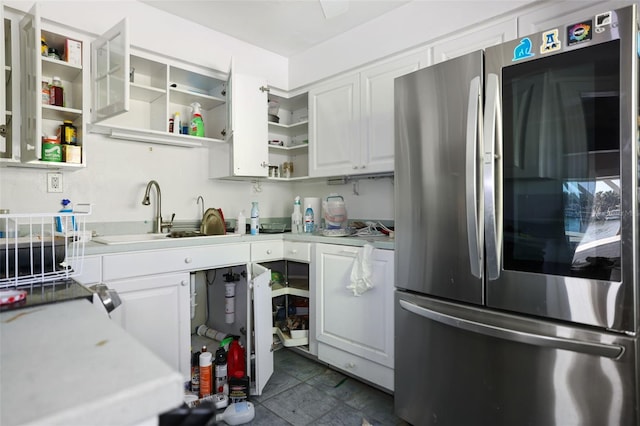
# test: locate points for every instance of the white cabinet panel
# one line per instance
(359, 325)
(351, 121)
(334, 131)
(124, 265)
(155, 310)
(377, 97)
(297, 251)
(262, 322)
(263, 251)
(480, 38)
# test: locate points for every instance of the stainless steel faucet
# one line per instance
(159, 224)
(202, 207)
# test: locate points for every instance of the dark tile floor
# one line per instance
(304, 392)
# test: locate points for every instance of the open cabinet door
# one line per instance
(31, 88)
(262, 323)
(249, 137)
(4, 120)
(110, 73)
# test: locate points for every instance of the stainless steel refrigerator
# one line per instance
(516, 185)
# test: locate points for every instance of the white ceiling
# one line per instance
(285, 27)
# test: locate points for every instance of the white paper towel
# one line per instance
(362, 271)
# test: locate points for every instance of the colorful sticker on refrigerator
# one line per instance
(603, 19)
(579, 33)
(523, 50)
(550, 41)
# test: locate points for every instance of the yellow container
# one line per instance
(72, 154)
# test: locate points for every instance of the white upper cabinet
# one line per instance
(39, 118)
(352, 123)
(245, 153)
(137, 94)
(496, 32)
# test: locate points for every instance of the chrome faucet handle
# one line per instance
(167, 225)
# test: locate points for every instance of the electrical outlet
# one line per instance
(54, 182)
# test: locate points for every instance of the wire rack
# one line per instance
(41, 249)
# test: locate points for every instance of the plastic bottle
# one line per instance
(237, 413)
(221, 370)
(195, 373)
(61, 222)
(206, 383)
(241, 223)
(177, 123)
(296, 217)
(196, 128)
(308, 220)
(255, 218)
(56, 93)
(236, 359)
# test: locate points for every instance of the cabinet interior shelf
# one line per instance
(52, 112)
(289, 129)
(289, 148)
(145, 93)
(53, 165)
(186, 97)
(62, 69)
(295, 288)
(289, 341)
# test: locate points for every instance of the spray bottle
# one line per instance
(196, 128)
(296, 217)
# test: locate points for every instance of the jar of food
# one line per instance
(68, 133)
(53, 53)
(44, 48)
(56, 95)
(287, 169)
(46, 98)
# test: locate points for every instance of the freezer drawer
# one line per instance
(457, 365)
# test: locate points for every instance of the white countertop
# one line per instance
(93, 247)
(69, 364)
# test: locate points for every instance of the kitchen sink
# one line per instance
(143, 238)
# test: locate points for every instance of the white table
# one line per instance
(69, 364)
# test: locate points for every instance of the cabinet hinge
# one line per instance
(264, 89)
(3, 130)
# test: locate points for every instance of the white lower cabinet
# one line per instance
(354, 333)
(155, 310)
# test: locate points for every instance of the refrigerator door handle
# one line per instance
(592, 348)
(474, 127)
(492, 137)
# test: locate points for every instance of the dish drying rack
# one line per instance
(35, 253)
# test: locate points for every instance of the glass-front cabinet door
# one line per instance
(568, 185)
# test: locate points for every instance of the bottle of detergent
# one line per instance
(196, 128)
(309, 220)
(236, 359)
(255, 218)
(296, 217)
(63, 222)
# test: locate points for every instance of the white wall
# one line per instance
(406, 27)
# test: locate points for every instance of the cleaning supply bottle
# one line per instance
(236, 359)
(308, 220)
(221, 371)
(241, 223)
(196, 127)
(255, 218)
(237, 413)
(63, 221)
(296, 217)
(177, 123)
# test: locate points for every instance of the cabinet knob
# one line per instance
(350, 365)
(293, 251)
(364, 166)
(269, 251)
(183, 283)
(187, 260)
(355, 166)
